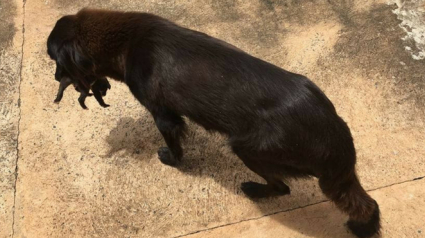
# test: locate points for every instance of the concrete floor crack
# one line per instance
(292, 209)
(19, 119)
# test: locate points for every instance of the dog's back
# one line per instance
(227, 90)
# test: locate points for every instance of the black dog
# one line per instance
(279, 123)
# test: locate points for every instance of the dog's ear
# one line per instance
(63, 31)
(76, 63)
(63, 48)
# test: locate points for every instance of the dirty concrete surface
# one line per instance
(402, 204)
(95, 173)
(10, 65)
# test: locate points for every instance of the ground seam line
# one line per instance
(19, 118)
(292, 209)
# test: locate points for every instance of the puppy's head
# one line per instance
(103, 85)
(63, 48)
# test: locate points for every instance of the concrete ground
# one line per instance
(67, 172)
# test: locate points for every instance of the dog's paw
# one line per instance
(255, 190)
(166, 157)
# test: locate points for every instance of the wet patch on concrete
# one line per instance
(412, 15)
(8, 81)
(10, 59)
(378, 89)
(226, 10)
(7, 25)
(372, 42)
(66, 5)
(257, 26)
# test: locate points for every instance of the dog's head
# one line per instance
(62, 46)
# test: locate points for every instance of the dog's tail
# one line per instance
(349, 196)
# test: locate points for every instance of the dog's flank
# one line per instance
(280, 124)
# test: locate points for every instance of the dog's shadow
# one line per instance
(207, 154)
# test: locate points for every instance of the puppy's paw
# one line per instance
(166, 157)
(105, 105)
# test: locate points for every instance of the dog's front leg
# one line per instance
(172, 128)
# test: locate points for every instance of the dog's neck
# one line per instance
(113, 67)
(107, 46)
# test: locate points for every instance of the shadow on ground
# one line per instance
(206, 154)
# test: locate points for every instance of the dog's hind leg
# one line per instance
(172, 128)
(345, 191)
(274, 186)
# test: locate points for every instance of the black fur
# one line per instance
(369, 228)
(99, 88)
(64, 83)
(279, 123)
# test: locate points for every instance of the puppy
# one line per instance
(99, 88)
(280, 124)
